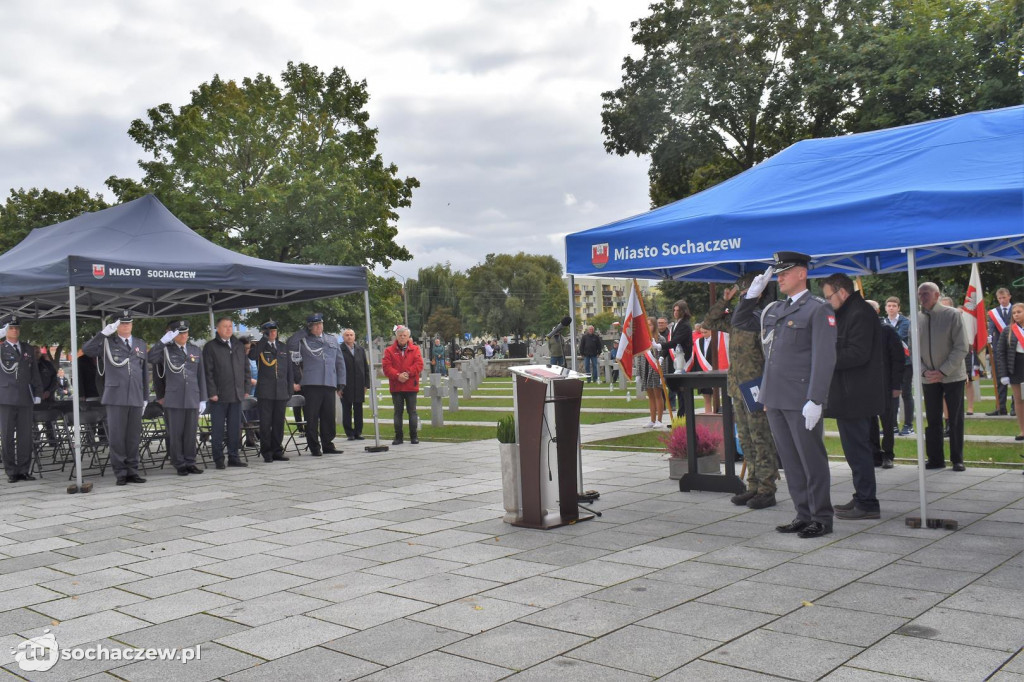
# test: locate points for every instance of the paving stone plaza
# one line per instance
(397, 566)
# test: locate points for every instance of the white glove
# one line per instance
(110, 329)
(3, 331)
(202, 406)
(166, 338)
(759, 283)
(296, 357)
(812, 414)
(36, 400)
(655, 345)
(144, 403)
(1005, 381)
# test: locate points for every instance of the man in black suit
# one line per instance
(357, 369)
(20, 389)
(680, 344)
(998, 318)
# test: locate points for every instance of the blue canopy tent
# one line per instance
(939, 193)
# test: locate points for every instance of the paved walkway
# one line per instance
(396, 566)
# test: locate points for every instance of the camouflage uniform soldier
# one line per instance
(746, 362)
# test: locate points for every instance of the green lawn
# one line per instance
(905, 449)
(449, 434)
(493, 417)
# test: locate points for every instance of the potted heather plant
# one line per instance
(708, 442)
(509, 450)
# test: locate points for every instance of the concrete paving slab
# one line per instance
(563, 668)
(929, 659)
(708, 621)
(441, 667)
(790, 656)
(516, 645)
(858, 628)
(644, 650)
(590, 617)
(283, 637)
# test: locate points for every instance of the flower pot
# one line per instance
(676, 468)
(510, 480)
(709, 464)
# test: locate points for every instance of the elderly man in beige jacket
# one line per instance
(943, 348)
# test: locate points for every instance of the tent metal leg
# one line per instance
(376, 447)
(213, 326)
(76, 410)
(915, 357)
(572, 325)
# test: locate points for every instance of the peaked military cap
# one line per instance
(180, 326)
(314, 318)
(14, 321)
(784, 260)
(268, 325)
(125, 317)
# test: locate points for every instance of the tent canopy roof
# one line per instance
(138, 255)
(952, 188)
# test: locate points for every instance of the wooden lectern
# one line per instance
(547, 407)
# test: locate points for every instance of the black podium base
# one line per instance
(552, 520)
(715, 483)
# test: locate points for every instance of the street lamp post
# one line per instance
(405, 295)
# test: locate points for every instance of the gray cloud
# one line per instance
(493, 106)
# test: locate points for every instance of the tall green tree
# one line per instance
(514, 294)
(437, 286)
(25, 210)
(720, 86)
(287, 172)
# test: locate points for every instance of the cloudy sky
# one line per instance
(494, 105)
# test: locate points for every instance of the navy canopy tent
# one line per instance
(138, 255)
(953, 189)
(939, 193)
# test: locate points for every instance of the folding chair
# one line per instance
(46, 437)
(296, 426)
(95, 448)
(154, 436)
(250, 427)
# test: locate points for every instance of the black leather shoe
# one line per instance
(762, 501)
(238, 463)
(280, 458)
(193, 469)
(220, 465)
(183, 471)
(121, 480)
(415, 440)
(397, 441)
(794, 526)
(332, 451)
(815, 529)
(359, 438)
(13, 479)
(934, 465)
(887, 463)
(845, 507)
(268, 460)
(316, 453)
(744, 497)
(28, 477)
(350, 437)
(135, 478)
(959, 466)
(996, 413)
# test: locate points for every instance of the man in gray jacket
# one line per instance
(323, 373)
(799, 339)
(122, 364)
(228, 378)
(943, 347)
(179, 363)
(20, 389)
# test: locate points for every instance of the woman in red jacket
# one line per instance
(402, 365)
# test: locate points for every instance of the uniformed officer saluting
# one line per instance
(323, 373)
(20, 389)
(799, 339)
(275, 380)
(121, 359)
(179, 363)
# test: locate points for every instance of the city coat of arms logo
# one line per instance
(98, 271)
(599, 255)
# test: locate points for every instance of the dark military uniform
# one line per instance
(799, 338)
(180, 369)
(746, 362)
(323, 373)
(274, 379)
(20, 387)
(122, 364)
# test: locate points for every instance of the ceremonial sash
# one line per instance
(1019, 333)
(997, 320)
(699, 356)
(723, 351)
(906, 348)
